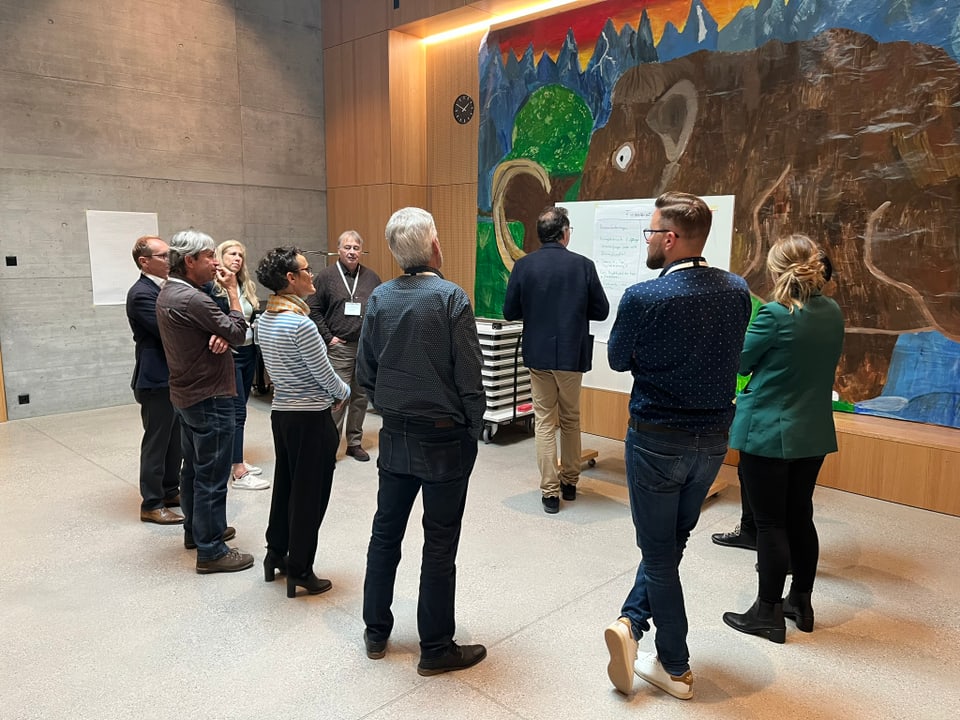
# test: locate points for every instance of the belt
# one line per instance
(418, 423)
(650, 427)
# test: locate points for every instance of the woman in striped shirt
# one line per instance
(305, 437)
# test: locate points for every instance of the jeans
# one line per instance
(781, 495)
(668, 474)
(305, 443)
(245, 363)
(206, 434)
(160, 456)
(415, 456)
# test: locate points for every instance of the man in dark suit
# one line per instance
(556, 293)
(160, 456)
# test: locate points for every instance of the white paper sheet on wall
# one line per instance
(110, 236)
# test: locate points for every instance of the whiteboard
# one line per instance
(610, 233)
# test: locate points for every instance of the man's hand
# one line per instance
(217, 344)
(338, 406)
(226, 278)
(335, 341)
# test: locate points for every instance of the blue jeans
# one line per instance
(668, 474)
(244, 363)
(206, 434)
(438, 460)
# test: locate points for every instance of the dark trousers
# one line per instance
(748, 526)
(305, 443)
(781, 496)
(415, 456)
(160, 455)
(206, 432)
(245, 364)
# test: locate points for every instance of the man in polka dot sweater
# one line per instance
(680, 335)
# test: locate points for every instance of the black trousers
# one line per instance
(780, 493)
(437, 461)
(305, 443)
(160, 454)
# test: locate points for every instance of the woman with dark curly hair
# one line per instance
(783, 428)
(305, 437)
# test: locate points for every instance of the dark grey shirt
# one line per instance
(328, 303)
(419, 356)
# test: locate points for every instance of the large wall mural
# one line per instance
(839, 119)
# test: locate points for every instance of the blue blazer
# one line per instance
(150, 370)
(556, 293)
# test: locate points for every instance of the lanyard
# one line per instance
(685, 265)
(344, 278)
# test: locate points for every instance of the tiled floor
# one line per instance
(102, 616)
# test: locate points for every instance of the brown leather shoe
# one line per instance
(161, 516)
(172, 501)
(358, 453)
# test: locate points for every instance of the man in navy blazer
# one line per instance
(556, 293)
(160, 456)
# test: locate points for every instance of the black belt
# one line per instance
(418, 423)
(650, 427)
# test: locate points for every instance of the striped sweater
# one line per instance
(296, 359)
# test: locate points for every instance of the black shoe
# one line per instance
(551, 504)
(797, 607)
(309, 582)
(457, 657)
(737, 539)
(229, 534)
(273, 563)
(764, 619)
(569, 492)
(376, 649)
(233, 561)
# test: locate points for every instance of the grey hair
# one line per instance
(188, 243)
(409, 236)
(349, 234)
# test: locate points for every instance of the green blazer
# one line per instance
(786, 410)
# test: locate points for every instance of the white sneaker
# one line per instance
(649, 668)
(623, 653)
(249, 482)
(253, 469)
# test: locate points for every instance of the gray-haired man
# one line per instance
(202, 387)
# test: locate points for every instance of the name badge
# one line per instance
(352, 308)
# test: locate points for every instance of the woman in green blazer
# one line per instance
(783, 428)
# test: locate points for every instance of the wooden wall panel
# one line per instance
(408, 133)
(454, 210)
(340, 114)
(371, 59)
(604, 413)
(343, 21)
(452, 70)
(364, 209)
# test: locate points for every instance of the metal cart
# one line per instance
(505, 379)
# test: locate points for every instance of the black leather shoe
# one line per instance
(737, 539)
(309, 582)
(229, 534)
(358, 453)
(273, 563)
(764, 619)
(376, 649)
(551, 504)
(797, 607)
(457, 657)
(569, 492)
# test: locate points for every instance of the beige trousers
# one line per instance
(343, 358)
(556, 405)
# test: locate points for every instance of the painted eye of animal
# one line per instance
(623, 156)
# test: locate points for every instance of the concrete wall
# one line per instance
(207, 112)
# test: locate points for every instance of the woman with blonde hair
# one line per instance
(232, 255)
(783, 428)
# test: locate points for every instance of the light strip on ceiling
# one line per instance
(495, 20)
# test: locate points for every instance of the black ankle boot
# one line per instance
(273, 563)
(763, 618)
(797, 607)
(309, 582)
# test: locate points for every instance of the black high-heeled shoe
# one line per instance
(273, 563)
(309, 582)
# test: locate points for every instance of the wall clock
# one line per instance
(463, 109)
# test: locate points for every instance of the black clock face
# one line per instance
(463, 109)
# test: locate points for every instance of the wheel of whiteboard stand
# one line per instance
(592, 462)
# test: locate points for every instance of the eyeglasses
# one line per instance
(648, 232)
(162, 256)
(306, 269)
